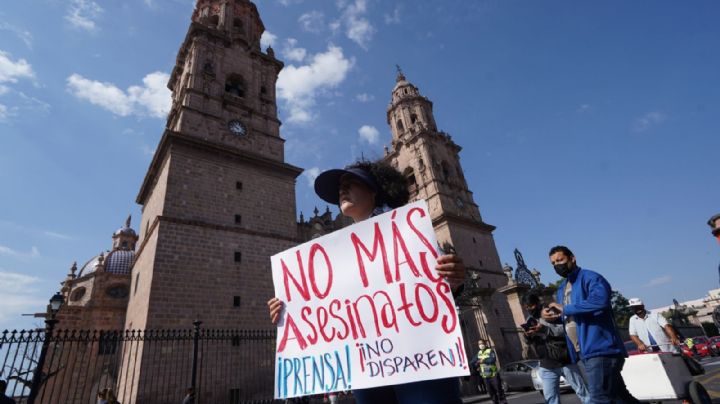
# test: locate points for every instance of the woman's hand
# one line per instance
(275, 305)
(452, 268)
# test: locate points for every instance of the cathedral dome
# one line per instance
(125, 237)
(116, 262)
(92, 265)
(119, 262)
(125, 230)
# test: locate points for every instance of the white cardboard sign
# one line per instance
(364, 307)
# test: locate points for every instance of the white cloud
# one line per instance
(23, 34)
(11, 71)
(147, 150)
(298, 86)
(153, 95)
(313, 21)
(658, 281)
(58, 236)
(83, 13)
(648, 120)
(7, 251)
(357, 27)
(153, 98)
(310, 174)
(267, 39)
(585, 108)
(369, 134)
(292, 52)
(365, 97)
(4, 113)
(16, 290)
(289, 2)
(33, 103)
(393, 18)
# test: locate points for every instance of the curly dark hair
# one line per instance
(393, 185)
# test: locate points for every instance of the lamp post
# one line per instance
(55, 303)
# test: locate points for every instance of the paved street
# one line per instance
(711, 381)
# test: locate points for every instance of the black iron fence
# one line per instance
(139, 366)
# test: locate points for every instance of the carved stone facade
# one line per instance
(430, 161)
(218, 200)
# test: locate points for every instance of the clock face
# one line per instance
(237, 128)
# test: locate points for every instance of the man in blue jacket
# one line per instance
(714, 224)
(584, 306)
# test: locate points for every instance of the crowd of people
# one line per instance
(577, 328)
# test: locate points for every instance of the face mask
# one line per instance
(563, 269)
(482, 347)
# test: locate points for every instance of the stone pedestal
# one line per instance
(514, 292)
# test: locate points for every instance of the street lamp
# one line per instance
(55, 303)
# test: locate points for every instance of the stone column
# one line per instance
(514, 292)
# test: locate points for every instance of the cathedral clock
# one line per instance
(237, 127)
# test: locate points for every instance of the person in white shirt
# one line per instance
(650, 331)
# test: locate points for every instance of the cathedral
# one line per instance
(219, 199)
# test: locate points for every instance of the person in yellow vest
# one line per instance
(691, 345)
(486, 365)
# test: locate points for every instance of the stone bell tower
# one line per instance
(430, 161)
(218, 198)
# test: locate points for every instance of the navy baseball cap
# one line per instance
(327, 184)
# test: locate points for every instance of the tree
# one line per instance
(621, 309)
(555, 285)
(680, 316)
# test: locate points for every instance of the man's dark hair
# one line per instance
(712, 220)
(3, 386)
(562, 249)
(393, 186)
(530, 299)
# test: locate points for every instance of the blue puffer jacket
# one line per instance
(590, 306)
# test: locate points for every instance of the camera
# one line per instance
(529, 324)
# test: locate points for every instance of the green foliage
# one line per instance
(679, 317)
(555, 285)
(621, 309)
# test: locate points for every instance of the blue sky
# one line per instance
(591, 124)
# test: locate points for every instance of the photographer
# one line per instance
(549, 342)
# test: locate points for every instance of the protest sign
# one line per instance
(364, 307)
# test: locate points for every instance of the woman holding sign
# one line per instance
(363, 190)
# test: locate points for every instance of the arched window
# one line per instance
(214, 20)
(77, 294)
(410, 176)
(237, 25)
(400, 125)
(413, 118)
(235, 85)
(445, 171)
